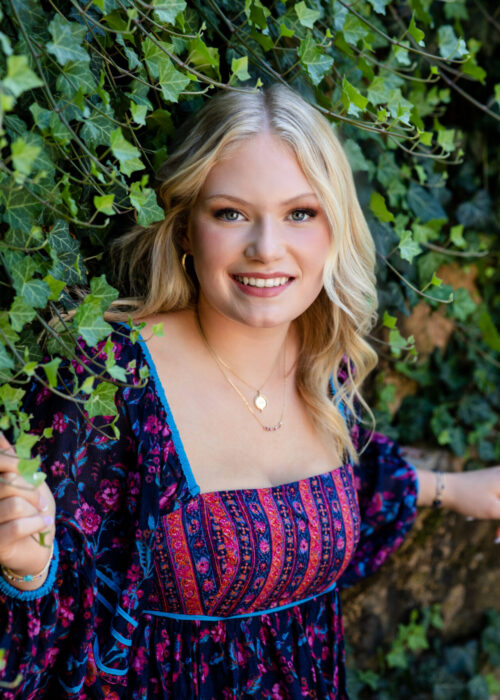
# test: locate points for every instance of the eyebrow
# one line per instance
(243, 201)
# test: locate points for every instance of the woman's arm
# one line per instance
(475, 494)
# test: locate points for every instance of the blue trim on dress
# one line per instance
(258, 613)
(102, 667)
(125, 614)
(117, 609)
(71, 689)
(193, 487)
(121, 638)
(105, 602)
(46, 587)
(108, 581)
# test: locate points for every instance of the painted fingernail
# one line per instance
(43, 505)
(48, 520)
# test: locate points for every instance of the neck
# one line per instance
(251, 352)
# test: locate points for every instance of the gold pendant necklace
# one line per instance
(259, 399)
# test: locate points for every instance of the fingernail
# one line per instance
(48, 520)
(43, 505)
(497, 540)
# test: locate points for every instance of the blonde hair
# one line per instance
(332, 331)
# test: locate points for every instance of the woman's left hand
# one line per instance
(475, 494)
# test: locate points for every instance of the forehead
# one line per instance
(262, 166)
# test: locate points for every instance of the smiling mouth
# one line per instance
(262, 282)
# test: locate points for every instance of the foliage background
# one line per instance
(92, 94)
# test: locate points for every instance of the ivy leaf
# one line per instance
(477, 211)
(24, 444)
(379, 5)
(104, 203)
(11, 397)
(389, 321)
(20, 313)
(306, 16)
(408, 247)
(6, 361)
(257, 13)
(20, 77)
(203, 56)
(66, 41)
(239, 68)
(97, 129)
(101, 292)
(415, 32)
(354, 30)
(471, 68)
(355, 156)
(171, 81)
(139, 113)
(352, 99)
(102, 401)
(76, 76)
(155, 52)
(36, 293)
(424, 205)
(456, 236)
(24, 155)
(378, 91)
(146, 205)
(167, 10)
(489, 331)
(463, 304)
(379, 208)
(91, 325)
(317, 63)
(65, 254)
(50, 369)
(449, 45)
(55, 286)
(127, 154)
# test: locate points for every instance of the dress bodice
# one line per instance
(233, 552)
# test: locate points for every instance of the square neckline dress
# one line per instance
(216, 595)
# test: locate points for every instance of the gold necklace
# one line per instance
(221, 364)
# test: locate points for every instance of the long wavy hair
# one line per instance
(332, 330)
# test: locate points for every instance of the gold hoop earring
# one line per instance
(183, 261)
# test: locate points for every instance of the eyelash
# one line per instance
(310, 213)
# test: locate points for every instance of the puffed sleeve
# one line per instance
(46, 634)
(387, 493)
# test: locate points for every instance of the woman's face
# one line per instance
(259, 236)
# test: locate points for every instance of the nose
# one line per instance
(265, 242)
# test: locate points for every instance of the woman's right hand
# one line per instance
(25, 512)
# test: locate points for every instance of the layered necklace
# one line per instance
(259, 400)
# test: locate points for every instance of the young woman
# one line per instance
(200, 554)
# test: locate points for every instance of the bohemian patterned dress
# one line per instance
(159, 591)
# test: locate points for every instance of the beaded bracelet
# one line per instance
(28, 578)
(437, 502)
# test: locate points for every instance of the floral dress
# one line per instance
(159, 591)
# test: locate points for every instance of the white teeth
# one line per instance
(261, 282)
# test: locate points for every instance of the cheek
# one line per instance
(213, 251)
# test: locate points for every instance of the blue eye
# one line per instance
(300, 215)
(227, 214)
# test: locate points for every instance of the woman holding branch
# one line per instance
(200, 554)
